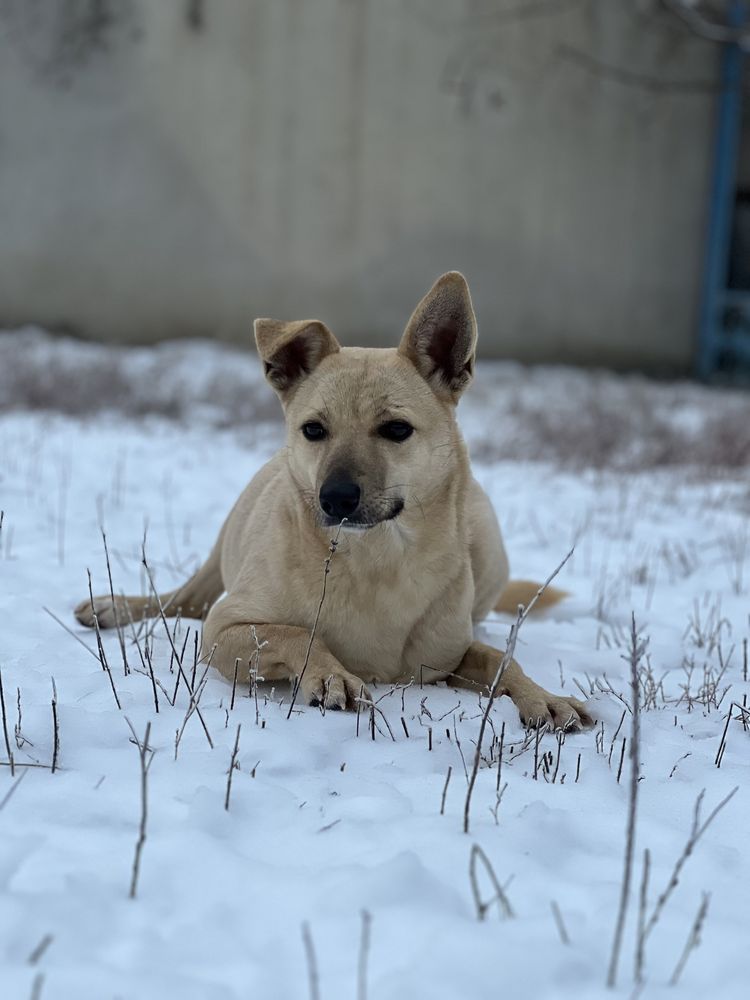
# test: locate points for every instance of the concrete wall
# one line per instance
(177, 168)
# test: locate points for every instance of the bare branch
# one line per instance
(145, 761)
(504, 907)
(505, 661)
(326, 570)
(637, 649)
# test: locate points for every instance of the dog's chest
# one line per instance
(369, 614)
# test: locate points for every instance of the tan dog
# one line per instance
(372, 442)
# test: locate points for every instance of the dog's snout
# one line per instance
(339, 498)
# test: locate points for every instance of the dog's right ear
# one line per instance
(441, 337)
(290, 351)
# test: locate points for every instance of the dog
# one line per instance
(375, 457)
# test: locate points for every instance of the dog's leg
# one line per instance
(192, 600)
(535, 705)
(228, 637)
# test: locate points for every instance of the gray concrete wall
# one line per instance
(177, 168)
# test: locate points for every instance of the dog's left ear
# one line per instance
(441, 337)
(290, 351)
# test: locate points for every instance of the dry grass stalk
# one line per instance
(9, 794)
(55, 728)
(180, 657)
(637, 649)
(255, 677)
(192, 707)
(445, 790)
(153, 680)
(504, 907)
(505, 660)
(500, 757)
(118, 626)
(234, 682)
(40, 949)
(181, 671)
(145, 762)
(640, 957)
(694, 939)
(8, 750)
(326, 570)
(100, 646)
(364, 954)
(622, 759)
(560, 741)
(696, 832)
(562, 930)
(233, 765)
(70, 632)
(312, 962)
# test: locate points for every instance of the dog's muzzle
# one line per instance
(340, 499)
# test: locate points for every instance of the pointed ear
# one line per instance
(441, 337)
(290, 351)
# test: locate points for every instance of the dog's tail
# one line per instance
(518, 592)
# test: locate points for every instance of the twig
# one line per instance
(697, 831)
(40, 949)
(143, 751)
(100, 645)
(180, 660)
(505, 660)
(364, 953)
(504, 907)
(640, 953)
(192, 707)
(622, 759)
(500, 756)
(71, 633)
(9, 794)
(118, 626)
(232, 765)
(694, 939)
(560, 739)
(153, 680)
(312, 964)
(181, 673)
(55, 728)
(234, 682)
(326, 570)
(445, 790)
(723, 741)
(559, 921)
(637, 649)
(5, 727)
(705, 28)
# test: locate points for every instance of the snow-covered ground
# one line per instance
(326, 823)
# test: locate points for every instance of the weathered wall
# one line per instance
(172, 169)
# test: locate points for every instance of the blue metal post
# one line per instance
(723, 192)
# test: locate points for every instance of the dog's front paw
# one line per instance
(102, 611)
(538, 707)
(333, 688)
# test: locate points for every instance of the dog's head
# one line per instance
(372, 435)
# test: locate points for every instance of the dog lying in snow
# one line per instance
(373, 446)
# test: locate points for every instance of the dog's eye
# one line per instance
(395, 430)
(314, 431)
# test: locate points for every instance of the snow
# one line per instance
(323, 823)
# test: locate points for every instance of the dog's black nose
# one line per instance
(339, 498)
